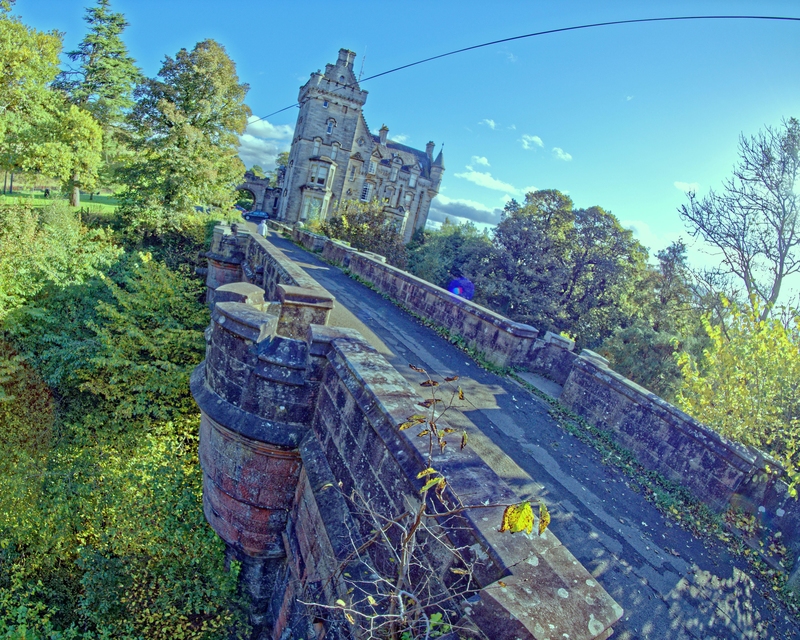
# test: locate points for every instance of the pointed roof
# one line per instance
(439, 162)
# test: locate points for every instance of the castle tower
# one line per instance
(330, 112)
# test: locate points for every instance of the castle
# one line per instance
(335, 157)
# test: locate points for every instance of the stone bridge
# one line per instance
(304, 384)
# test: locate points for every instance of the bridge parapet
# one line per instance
(287, 417)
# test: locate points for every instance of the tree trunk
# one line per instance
(75, 199)
(11, 188)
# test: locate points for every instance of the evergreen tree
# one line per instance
(106, 75)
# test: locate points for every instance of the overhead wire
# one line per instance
(540, 33)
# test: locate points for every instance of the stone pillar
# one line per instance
(224, 259)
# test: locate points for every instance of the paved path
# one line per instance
(623, 540)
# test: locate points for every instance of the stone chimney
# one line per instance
(429, 150)
(346, 58)
(384, 131)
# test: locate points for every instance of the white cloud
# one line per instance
(560, 154)
(400, 139)
(458, 210)
(485, 179)
(628, 98)
(687, 187)
(262, 141)
(529, 142)
(480, 160)
(489, 123)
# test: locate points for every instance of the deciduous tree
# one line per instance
(745, 384)
(753, 220)
(186, 124)
(560, 268)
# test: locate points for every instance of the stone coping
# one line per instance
(710, 439)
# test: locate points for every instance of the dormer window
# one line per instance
(324, 104)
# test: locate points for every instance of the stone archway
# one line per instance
(253, 198)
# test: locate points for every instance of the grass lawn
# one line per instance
(105, 203)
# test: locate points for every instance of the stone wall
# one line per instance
(292, 427)
(717, 471)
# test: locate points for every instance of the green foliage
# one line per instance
(745, 385)
(367, 228)
(105, 76)
(668, 319)
(454, 249)
(47, 245)
(184, 132)
(148, 338)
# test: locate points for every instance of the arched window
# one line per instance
(331, 125)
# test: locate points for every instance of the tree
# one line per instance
(257, 171)
(668, 320)
(454, 249)
(281, 162)
(29, 60)
(103, 81)
(105, 77)
(745, 384)
(367, 228)
(560, 268)
(185, 129)
(753, 221)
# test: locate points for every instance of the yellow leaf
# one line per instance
(424, 432)
(341, 603)
(461, 572)
(407, 425)
(426, 472)
(418, 417)
(440, 487)
(417, 369)
(464, 439)
(372, 600)
(501, 583)
(544, 517)
(442, 444)
(448, 430)
(430, 483)
(460, 393)
(518, 517)
(451, 379)
(350, 618)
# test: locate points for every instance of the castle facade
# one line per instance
(334, 157)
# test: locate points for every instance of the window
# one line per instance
(324, 104)
(334, 150)
(317, 142)
(352, 173)
(366, 192)
(372, 166)
(393, 177)
(312, 207)
(329, 130)
(412, 181)
(318, 174)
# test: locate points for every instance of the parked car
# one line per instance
(255, 216)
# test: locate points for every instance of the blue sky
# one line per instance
(625, 117)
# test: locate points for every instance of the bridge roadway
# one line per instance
(671, 585)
